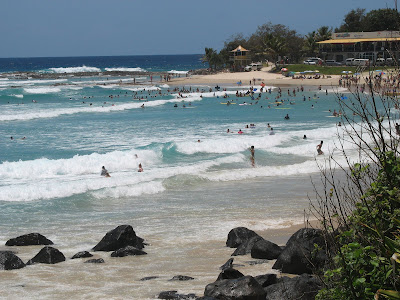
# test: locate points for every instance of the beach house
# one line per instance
(378, 47)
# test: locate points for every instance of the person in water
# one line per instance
(104, 172)
(240, 131)
(252, 155)
(287, 117)
(319, 146)
(140, 168)
(272, 132)
(304, 137)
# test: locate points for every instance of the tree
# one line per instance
(213, 59)
(310, 46)
(323, 33)
(274, 45)
(382, 19)
(353, 21)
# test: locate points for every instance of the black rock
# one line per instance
(266, 250)
(266, 280)
(238, 236)
(299, 256)
(118, 238)
(82, 254)
(148, 278)
(9, 261)
(29, 240)
(127, 251)
(181, 278)
(229, 274)
(245, 287)
(245, 247)
(174, 295)
(257, 262)
(94, 261)
(227, 265)
(303, 287)
(47, 255)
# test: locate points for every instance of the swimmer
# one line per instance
(228, 131)
(319, 146)
(198, 141)
(304, 137)
(272, 132)
(240, 131)
(140, 168)
(104, 172)
(287, 117)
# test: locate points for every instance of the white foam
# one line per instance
(18, 96)
(125, 70)
(42, 90)
(178, 72)
(41, 112)
(75, 69)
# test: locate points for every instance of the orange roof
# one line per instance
(239, 48)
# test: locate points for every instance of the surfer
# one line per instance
(319, 146)
(140, 168)
(104, 172)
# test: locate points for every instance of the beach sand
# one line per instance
(270, 79)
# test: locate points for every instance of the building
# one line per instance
(240, 58)
(363, 45)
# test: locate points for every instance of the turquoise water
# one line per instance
(191, 193)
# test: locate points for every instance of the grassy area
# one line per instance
(327, 70)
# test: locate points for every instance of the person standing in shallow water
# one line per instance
(252, 159)
(104, 172)
(140, 168)
(319, 146)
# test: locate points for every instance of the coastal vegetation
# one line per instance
(278, 43)
(359, 204)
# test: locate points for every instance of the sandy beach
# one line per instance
(270, 79)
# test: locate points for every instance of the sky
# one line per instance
(53, 28)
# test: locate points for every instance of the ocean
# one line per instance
(199, 181)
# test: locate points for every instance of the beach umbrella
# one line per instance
(284, 70)
(378, 71)
(357, 74)
(347, 72)
(316, 71)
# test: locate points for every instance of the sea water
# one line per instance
(187, 199)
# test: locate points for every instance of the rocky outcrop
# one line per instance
(238, 236)
(175, 295)
(245, 247)
(266, 280)
(47, 255)
(82, 254)
(127, 251)
(29, 240)
(9, 261)
(181, 278)
(229, 274)
(118, 238)
(299, 255)
(265, 249)
(94, 261)
(245, 287)
(303, 287)
(148, 278)
(227, 265)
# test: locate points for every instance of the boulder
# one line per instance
(238, 236)
(246, 288)
(303, 287)
(94, 261)
(227, 265)
(127, 251)
(181, 278)
(266, 280)
(229, 274)
(299, 256)
(9, 261)
(265, 249)
(82, 254)
(47, 255)
(29, 240)
(175, 295)
(118, 238)
(148, 278)
(245, 247)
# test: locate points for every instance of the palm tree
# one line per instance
(310, 44)
(323, 33)
(274, 45)
(212, 58)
